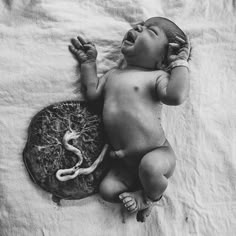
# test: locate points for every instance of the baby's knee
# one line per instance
(148, 168)
(158, 163)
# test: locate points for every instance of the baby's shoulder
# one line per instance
(110, 72)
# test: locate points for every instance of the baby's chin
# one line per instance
(127, 48)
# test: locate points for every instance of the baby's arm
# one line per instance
(174, 88)
(85, 53)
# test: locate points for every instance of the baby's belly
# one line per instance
(135, 130)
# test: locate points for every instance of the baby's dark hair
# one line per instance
(169, 27)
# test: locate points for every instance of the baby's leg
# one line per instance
(154, 170)
(118, 180)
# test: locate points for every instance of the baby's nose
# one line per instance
(138, 28)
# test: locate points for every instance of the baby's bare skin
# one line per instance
(133, 98)
(132, 112)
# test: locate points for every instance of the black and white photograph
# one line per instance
(117, 118)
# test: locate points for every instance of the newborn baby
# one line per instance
(155, 72)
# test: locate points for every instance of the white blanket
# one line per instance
(37, 70)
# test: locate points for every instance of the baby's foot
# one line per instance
(134, 201)
(143, 214)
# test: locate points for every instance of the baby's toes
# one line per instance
(124, 196)
(131, 206)
(127, 199)
(129, 203)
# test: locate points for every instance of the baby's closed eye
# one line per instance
(153, 30)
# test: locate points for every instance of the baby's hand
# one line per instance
(179, 50)
(83, 52)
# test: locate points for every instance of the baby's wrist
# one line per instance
(178, 63)
(88, 63)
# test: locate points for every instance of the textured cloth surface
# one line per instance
(37, 70)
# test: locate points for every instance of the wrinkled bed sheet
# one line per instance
(37, 70)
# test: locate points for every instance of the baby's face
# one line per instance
(145, 46)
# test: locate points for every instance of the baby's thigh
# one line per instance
(118, 180)
(161, 160)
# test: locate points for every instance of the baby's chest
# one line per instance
(130, 83)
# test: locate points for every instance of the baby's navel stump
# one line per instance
(65, 150)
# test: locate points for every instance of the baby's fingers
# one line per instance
(89, 45)
(81, 40)
(72, 49)
(77, 54)
(172, 58)
(172, 48)
(188, 45)
(77, 45)
(180, 40)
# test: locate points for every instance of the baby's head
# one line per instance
(146, 45)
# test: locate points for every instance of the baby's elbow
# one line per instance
(174, 100)
(178, 100)
(177, 96)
